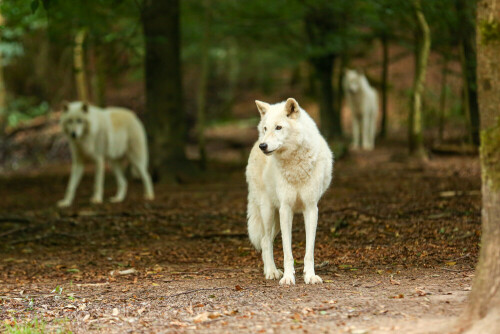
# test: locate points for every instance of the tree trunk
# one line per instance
(3, 94)
(79, 65)
(385, 81)
(202, 88)
(442, 97)
(165, 119)
(466, 10)
(482, 314)
(330, 118)
(416, 140)
(98, 75)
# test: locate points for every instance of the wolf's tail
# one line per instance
(255, 224)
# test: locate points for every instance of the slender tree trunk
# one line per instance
(385, 82)
(202, 88)
(416, 140)
(165, 119)
(98, 76)
(79, 65)
(465, 95)
(466, 10)
(482, 314)
(330, 118)
(3, 93)
(442, 97)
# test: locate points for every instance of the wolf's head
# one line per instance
(75, 119)
(352, 81)
(278, 125)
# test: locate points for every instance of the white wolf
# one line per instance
(289, 169)
(98, 134)
(363, 102)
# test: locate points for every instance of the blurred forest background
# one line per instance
(192, 69)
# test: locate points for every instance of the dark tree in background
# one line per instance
(466, 10)
(165, 119)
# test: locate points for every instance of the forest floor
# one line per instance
(396, 246)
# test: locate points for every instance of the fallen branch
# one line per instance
(15, 220)
(15, 230)
(196, 290)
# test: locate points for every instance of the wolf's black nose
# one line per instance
(73, 134)
(263, 146)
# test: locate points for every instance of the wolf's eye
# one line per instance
(265, 129)
(278, 127)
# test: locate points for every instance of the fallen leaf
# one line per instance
(238, 288)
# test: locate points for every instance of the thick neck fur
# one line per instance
(297, 162)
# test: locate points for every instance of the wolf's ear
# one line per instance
(262, 106)
(65, 106)
(292, 108)
(85, 107)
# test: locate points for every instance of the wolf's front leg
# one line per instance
(99, 181)
(355, 132)
(74, 179)
(366, 135)
(286, 218)
(270, 270)
(311, 222)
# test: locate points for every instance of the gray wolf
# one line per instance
(363, 102)
(289, 169)
(100, 134)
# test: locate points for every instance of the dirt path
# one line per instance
(396, 245)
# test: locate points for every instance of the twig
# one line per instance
(13, 231)
(14, 220)
(459, 258)
(196, 290)
(456, 270)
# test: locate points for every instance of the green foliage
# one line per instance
(25, 108)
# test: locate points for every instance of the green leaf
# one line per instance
(34, 6)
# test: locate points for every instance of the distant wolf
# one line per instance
(289, 169)
(99, 134)
(363, 102)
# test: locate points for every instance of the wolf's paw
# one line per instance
(64, 203)
(96, 200)
(312, 279)
(287, 280)
(273, 273)
(149, 197)
(116, 199)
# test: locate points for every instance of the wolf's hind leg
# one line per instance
(121, 182)
(270, 230)
(142, 168)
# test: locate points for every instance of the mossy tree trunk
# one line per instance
(79, 66)
(423, 45)
(482, 314)
(165, 119)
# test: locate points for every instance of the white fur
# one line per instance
(288, 177)
(363, 102)
(113, 134)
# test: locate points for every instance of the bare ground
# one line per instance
(396, 246)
